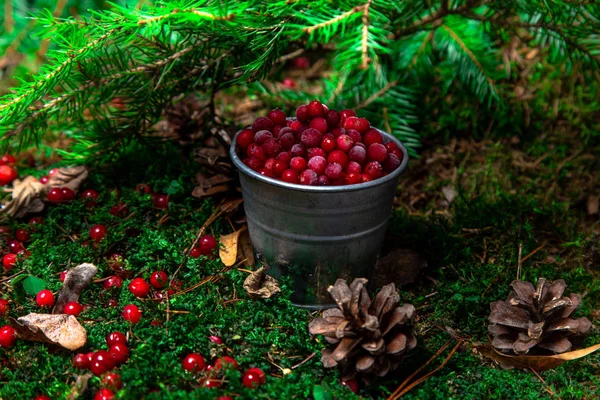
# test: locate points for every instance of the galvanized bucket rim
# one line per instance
(323, 189)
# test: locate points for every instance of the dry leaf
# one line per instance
(231, 205)
(71, 177)
(58, 329)
(75, 281)
(215, 160)
(229, 249)
(246, 249)
(537, 363)
(449, 193)
(79, 387)
(593, 203)
(26, 198)
(260, 285)
(211, 186)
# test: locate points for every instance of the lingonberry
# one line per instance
(73, 308)
(391, 163)
(44, 179)
(160, 201)
(116, 338)
(302, 114)
(337, 131)
(81, 361)
(279, 167)
(195, 252)
(89, 196)
(285, 156)
(245, 138)
(159, 279)
(316, 151)
(208, 244)
(310, 138)
(318, 164)
(354, 167)
(253, 163)
(347, 113)
(4, 307)
(9, 261)
(262, 123)
(225, 362)
(215, 339)
(113, 282)
(372, 136)
(256, 150)
(315, 109)
(357, 154)
(139, 287)
(98, 368)
(112, 381)
(339, 157)
(104, 394)
(68, 194)
(309, 177)
(333, 118)
(272, 147)
(351, 384)
(354, 135)
(277, 116)
(119, 353)
(104, 357)
(55, 195)
(298, 150)
(193, 362)
(8, 336)
(344, 143)
(262, 136)
(328, 143)
(7, 175)
(373, 170)
(289, 83)
(377, 152)
(319, 124)
(22, 235)
(98, 232)
(333, 170)
(119, 210)
(287, 140)
(302, 63)
(323, 181)
(253, 378)
(132, 313)
(44, 298)
(15, 246)
(289, 176)
(298, 164)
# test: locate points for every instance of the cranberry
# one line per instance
(261, 137)
(354, 167)
(318, 164)
(215, 339)
(279, 167)
(354, 135)
(114, 303)
(298, 150)
(253, 163)
(193, 362)
(256, 150)
(15, 247)
(277, 116)
(4, 307)
(289, 176)
(253, 378)
(272, 147)
(298, 128)
(8, 159)
(344, 143)
(55, 195)
(323, 181)
(328, 143)
(285, 156)
(333, 170)
(68, 194)
(316, 151)
(116, 338)
(262, 123)
(36, 221)
(287, 141)
(63, 275)
(89, 196)
(366, 178)
(44, 179)
(112, 282)
(44, 298)
(333, 118)
(113, 381)
(7, 175)
(98, 232)
(211, 383)
(373, 170)
(132, 313)
(98, 368)
(351, 384)
(119, 210)
(9, 261)
(73, 308)
(81, 361)
(339, 157)
(377, 152)
(104, 356)
(350, 123)
(358, 154)
(315, 109)
(225, 398)
(208, 244)
(298, 164)
(225, 362)
(319, 124)
(391, 163)
(139, 287)
(8, 336)
(337, 131)
(195, 252)
(269, 164)
(53, 171)
(347, 113)
(22, 235)
(309, 177)
(160, 200)
(302, 114)
(104, 394)
(362, 125)
(289, 83)
(398, 153)
(302, 63)
(391, 146)
(310, 138)
(159, 279)
(265, 172)
(42, 397)
(372, 136)
(119, 353)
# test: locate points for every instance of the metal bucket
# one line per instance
(317, 234)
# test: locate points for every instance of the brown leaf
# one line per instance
(26, 198)
(593, 203)
(229, 247)
(58, 329)
(260, 285)
(70, 177)
(231, 205)
(537, 363)
(213, 159)
(245, 248)
(75, 281)
(80, 386)
(208, 186)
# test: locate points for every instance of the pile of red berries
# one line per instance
(320, 147)
(7, 172)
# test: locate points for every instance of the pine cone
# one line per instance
(367, 337)
(537, 319)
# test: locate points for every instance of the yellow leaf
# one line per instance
(229, 247)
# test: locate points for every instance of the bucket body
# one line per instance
(317, 234)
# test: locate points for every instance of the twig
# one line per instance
(533, 252)
(365, 37)
(9, 21)
(546, 387)
(376, 95)
(519, 261)
(304, 361)
(311, 29)
(289, 56)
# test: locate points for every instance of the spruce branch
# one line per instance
(335, 20)
(365, 36)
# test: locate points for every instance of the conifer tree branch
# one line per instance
(365, 36)
(311, 29)
(378, 94)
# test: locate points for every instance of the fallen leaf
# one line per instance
(260, 285)
(229, 247)
(537, 363)
(449, 193)
(246, 249)
(70, 177)
(58, 329)
(215, 160)
(79, 387)
(231, 205)
(26, 198)
(593, 203)
(210, 186)
(75, 281)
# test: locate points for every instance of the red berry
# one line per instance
(289, 176)
(298, 164)
(253, 163)
(44, 298)
(8, 336)
(55, 195)
(272, 147)
(132, 313)
(113, 282)
(195, 252)
(5, 230)
(262, 136)
(302, 114)
(333, 118)
(373, 170)
(279, 167)
(159, 279)
(323, 181)
(344, 143)
(289, 83)
(347, 113)
(211, 383)
(328, 143)
(354, 167)
(98, 232)
(112, 381)
(63, 275)
(358, 154)
(310, 138)
(160, 200)
(287, 140)
(316, 151)
(276, 130)
(42, 397)
(143, 188)
(253, 378)
(285, 156)
(225, 362)
(119, 210)
(337, 131)
(15, 247)
(44, 179)
(351, 384)
(315, 109)
(68, 194)
(333, 170)
(350, 123)
(318, 164)
(7, 175)
(22, 235)
(269, 164)
(309, 177)
(208, 244)
(277, 116)
(225, 398)
(104, 357)
(319, 124)
(119, 353)
(298, 128)
(73, 308)
(262, 123)
(245, 138)
(139, 287)
(354, 135)
(366, 178)
(215, 339)
(372, 136)
(9, 261)
(114, 303)
(116, 338)
(81, 361)
(339, 157)
(391, 146)
(398, 153)
(104, 394)
(4, 307)
(302, 63)
(297, 150)
(377, 152)
(89, 195)
(98, 368)
(193, 363)
(362, 125)
(256, 150)
(339, 181)
(36, 221)
(8, 159)
(391, 163)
